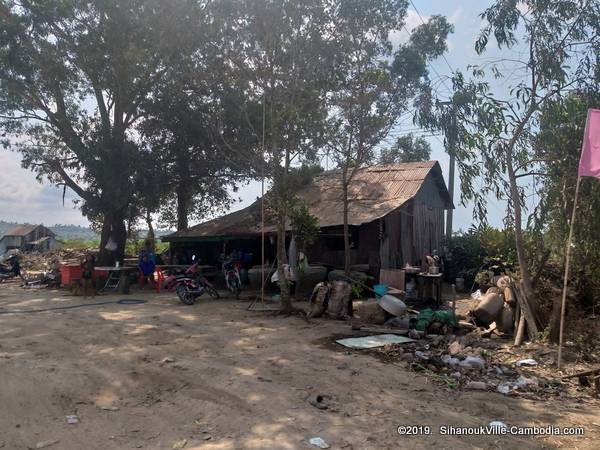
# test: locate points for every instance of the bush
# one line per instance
(468, 253)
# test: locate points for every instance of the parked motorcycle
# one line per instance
(231, 272)
(191, 285)
(10, 271)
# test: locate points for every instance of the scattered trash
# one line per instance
(503, 388)
(319, 442)
(496, 424)
(476, 295)
(527, 362)
(180, 444)
(476, 385)
(207, 437)
(44, 444)
(319, 401)
(451, 361)
(167, 360)
(415, 334)
(422, 355)
(374, 341)
(72, 419)
(109, 408)
(473, 362)
(524, 382)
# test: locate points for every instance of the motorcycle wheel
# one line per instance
(184, 295)
(235, 287)
(212, 292)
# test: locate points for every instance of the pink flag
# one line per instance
(589, 164)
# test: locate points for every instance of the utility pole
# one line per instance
(451, 139)
(451, 192)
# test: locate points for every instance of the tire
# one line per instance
(212, 292)
(184, 295)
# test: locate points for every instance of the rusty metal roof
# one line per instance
(374, 192)
(21, 230)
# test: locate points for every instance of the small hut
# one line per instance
(396, 216)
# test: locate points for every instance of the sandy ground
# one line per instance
(237, 380)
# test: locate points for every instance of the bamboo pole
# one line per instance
(566, 279)
(262, 207)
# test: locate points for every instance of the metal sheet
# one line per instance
(374, 341)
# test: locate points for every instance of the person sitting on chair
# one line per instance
(146, 268)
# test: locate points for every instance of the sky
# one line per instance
(24, 199)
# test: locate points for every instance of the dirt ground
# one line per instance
(162, 375)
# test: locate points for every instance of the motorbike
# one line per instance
(10, 271)
(191, 285)
(231, 272)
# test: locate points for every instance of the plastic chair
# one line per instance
(159, 279)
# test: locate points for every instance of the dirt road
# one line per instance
(215, 376)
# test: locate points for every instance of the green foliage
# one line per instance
(558, 147)
(134, 246)
(305, 226)
(408, 148)
(80, 243)
(478, 248)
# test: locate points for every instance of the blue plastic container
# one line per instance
(380, 290)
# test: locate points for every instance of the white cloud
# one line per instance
(24, 199)
(16, 182)
(411, 21)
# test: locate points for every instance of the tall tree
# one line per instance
(494, 135)
(279, 49)
(374, 82)
(557, 146)
(407, 148)
(75, 78)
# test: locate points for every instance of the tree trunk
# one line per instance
(113, 227)
(286, 303)
(519, 240)
(183, 193)
(346, 230)
(182, 207)
(151, 235)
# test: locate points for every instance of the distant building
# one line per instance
(29, 238)
(396, 216)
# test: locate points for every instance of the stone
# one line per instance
(455, 348)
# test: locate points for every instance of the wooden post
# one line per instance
(566, 280)
(262, 206)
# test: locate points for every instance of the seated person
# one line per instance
(146, 267)
(148, 250)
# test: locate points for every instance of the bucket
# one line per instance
(380, 290)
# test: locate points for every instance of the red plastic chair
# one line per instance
(159, 279)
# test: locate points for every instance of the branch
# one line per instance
(541, 174)
(55, 165)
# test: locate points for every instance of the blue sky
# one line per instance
(23, 199)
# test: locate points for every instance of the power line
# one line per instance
(421, 17)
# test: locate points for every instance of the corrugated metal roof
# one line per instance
(374, 192)
(21, 230)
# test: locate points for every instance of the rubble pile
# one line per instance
(40, 262)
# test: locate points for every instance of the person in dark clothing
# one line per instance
(87, 272)
(15, 267)
(147, 268)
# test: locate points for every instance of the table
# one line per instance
(436, 283)
(117, 279)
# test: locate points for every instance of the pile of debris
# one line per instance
(471, 362)
(40, 262)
